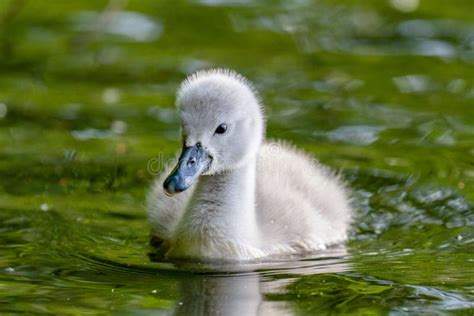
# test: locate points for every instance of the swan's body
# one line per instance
(254, 199)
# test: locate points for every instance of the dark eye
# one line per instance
(221, 129)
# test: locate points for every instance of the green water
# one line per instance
(381, 90)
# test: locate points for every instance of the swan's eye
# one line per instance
(221, 129)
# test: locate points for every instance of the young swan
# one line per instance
(233, 196)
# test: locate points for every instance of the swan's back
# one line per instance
(297, 198)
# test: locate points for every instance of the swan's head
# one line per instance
(222, 123)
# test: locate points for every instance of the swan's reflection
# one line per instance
(243, 289)
(220, 296)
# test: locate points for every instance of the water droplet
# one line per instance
(154, 291)
(9, 269)
(44, 207)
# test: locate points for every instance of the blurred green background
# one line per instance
(381, 90)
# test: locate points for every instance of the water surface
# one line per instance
(381, 90)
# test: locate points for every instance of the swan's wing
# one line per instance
(164, 212)
(299, 196)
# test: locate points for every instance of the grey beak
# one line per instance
(191, 164)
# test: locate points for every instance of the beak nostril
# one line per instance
(191, 161)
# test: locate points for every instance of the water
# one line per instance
(381, 90)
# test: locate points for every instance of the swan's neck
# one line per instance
(230, 199)
(222, 210)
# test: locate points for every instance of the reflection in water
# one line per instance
(219, 296)
(382, 95)
(244, 291)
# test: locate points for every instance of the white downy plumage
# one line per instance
(255, 198)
